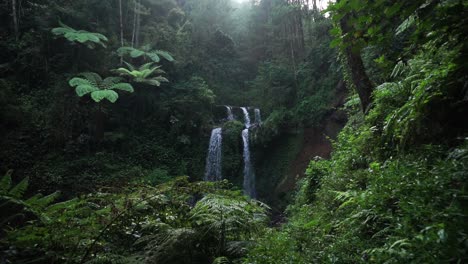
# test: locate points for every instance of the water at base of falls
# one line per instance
(213, 160)
(249, 175)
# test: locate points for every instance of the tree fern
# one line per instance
(14, 205)
(81, 36)
(98, 88)
(5, 182)
(18, 190)
(145, 52)
(143, 74)
(228, 218)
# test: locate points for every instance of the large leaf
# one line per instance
(79, 81)
(153, 56)
(110, 95)
(123, 71)
(136, 53)
(152, 82)
(80, 36)
(122, 86)
(5, 183)
(109, 82)
(19, 189)
(84, 89)
(92, 77)
(164, 54)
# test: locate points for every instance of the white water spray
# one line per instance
(246, 117)
(213, 160)
(230, 116)
(249, 175)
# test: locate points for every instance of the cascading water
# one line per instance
(249, 175)
(258, 117)
(246, 117)
(213, 160)
(230, 116)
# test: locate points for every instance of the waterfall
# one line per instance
(246, 117)
(258, 117)
(230, 116)
(249, 175)
(213, 160)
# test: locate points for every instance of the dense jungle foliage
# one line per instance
(107, 107)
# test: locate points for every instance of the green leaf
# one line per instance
(19, 189)
(5, 183)
(335, 43)
(84, 89)
(152, 82)
(164, 54)
(123, 86)
(390, 11)
(110, 95)
(76, 81)
(92, 77)
(124, 50)
(154, 57)
(80, 36)
(109, 81)
(136, 53)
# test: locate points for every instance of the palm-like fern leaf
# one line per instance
(40, 202)
(146, 52)
(143, 73)
(98, 88)
(110, 95)
(18, 190)
(81, 36)
(5, 182)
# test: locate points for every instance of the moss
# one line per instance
(232, 151)
(272, 165)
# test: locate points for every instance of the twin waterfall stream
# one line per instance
(213, 171)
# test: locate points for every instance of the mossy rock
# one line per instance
(232, 151)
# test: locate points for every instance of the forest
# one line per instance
(233, 131)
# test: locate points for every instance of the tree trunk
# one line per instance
(358, 73)
(99, 124)
(15, 18)
(134, 23)
(121, 28)
(138, 22)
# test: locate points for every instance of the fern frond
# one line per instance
(81, 36)
(154, 57)
(122, 86)
(145, 51)
(5, 183)
(123, 71)
(221, 260)
(18, 190)
(130, 66)
(146, 66)
(109, 82)
(161, 79)
(76, 81)
(150, 82)
(38, 202)
(82, 90)
(135, 53)
(93, 77)
(110, 95)
(164, 54)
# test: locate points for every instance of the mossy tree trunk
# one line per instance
(99, 124)
(359, 76)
